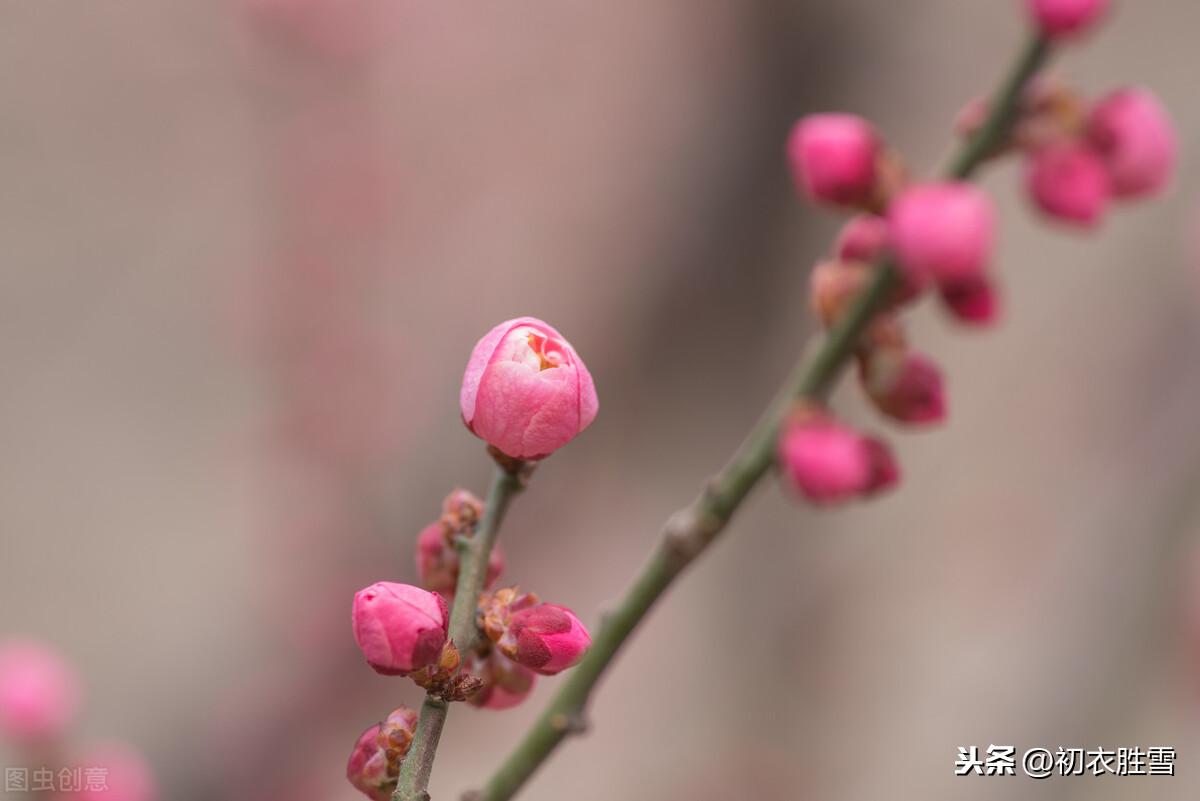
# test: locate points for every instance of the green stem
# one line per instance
(474, 554)
(692, 529)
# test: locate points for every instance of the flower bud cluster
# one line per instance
(526, 393)
(940, 237)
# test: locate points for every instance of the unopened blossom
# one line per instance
(400, 628)
(973, 301)
(905, 385)
(942, 231)
(437, 545)
(505, 683)
(863, 238)
(833, 158)
(374, 764)
(526, 392)
(1060, 18)
(127, 775)
(1068, 181)
(828, 462)
(39, 692)
(549, 638)
(546, 638)
(1135, 137)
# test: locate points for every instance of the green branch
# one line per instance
(692, 529)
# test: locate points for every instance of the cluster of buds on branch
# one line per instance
(39, 702)
(939, 236)
(526, 393)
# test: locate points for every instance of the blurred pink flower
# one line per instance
(39, 692)
(1068, 182)
(126, 775)
(943, 231)
(1058, 18)
(974, 301)
(1132, 132)
(829, 462)
(905, 385)
(833, 158)
(863, 238)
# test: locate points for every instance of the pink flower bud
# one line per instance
(1134, 135)
(126, 775)
(526, 391)
(1058, 18)
(374, 764)
(437, 551)
(905, 386)
(833, 158)
(505, 682)
(829, 462)
(438, 561)
(400, 628)
(546, 638)
(863, 238)
(1068, 182)
(973, 301)
(943, 231)
(38, 692)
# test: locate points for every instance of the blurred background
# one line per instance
(246, 248)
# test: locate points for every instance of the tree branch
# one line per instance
(692, 529)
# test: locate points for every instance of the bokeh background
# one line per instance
(245, 249)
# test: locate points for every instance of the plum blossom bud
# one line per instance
(1059, 18)
(505, 682)
(829, 462)
(863, 238)
(526, 392)
(1134, 135)
(547, 638)
(400, 628)
(38, 692)
(973, 301)
(437, 552)
(438, 560)
(374, 764)
(943, 231)
(904, 385)
(127, 777)
(833, 158)
(1068, 182)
